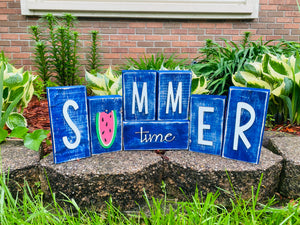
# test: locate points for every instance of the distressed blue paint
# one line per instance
(140, 77)
(177, 141)
(165, 111)
(258, 100)
(98, 104)
(57, 98)
(213, 108)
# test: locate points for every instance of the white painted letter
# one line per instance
(239, 130)
(140, 102)
(170, 97)
(202, 126)
(71, 124)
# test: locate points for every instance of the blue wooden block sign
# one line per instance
(69, 123)
(139, 94)
(207, 119)
(105, 114)
(152, 135)
(245, 120)
(174, 88)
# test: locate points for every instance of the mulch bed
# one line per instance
(38, 118)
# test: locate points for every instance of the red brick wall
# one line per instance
(134, 37)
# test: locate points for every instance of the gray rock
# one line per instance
(186, 170)
(268, 135)
(20, 163)
(289, 148)
(92, 181)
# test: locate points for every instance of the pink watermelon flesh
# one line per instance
(106, 128)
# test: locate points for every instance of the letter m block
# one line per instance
(174, 88)
(245, 121)
(69, 123)
(139, 94)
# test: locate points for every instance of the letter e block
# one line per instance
(245, 121)
(174, 88)
(105, 113)
(69, 123)
(207, 119)
(139, 94)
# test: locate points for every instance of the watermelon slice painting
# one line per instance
(106, 126)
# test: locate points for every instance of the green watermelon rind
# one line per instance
(115, 130)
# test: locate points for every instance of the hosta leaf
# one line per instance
(199, 85)
(100, 92)
(109, 74)
(117, 86)
(255, 68)
(279, 69)
(12, 80)
(284, 89)
(16, 120)
(97, 82)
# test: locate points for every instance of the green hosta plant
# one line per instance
(11, 82)
(104, 84)
(282, 76)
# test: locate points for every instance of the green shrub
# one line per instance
(282, 76)
(60, 57)
(218, 63)
(94, 62)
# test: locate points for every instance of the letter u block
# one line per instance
(207, 123)
(174, 88)
(105, 121)
(139, 94)
(69, 123)
(245, 121)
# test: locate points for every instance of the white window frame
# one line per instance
(182, 9)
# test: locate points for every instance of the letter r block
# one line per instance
(139, 94)
(69, 123)
(105, 120)
(245, 122)
(207, 123)
(174, 88)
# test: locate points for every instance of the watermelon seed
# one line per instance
(102, 119)
(105, 140)
(106, 124)
(109, 130)
(103, 132)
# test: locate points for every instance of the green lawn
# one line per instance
(32, 209)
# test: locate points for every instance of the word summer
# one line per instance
(157, 112)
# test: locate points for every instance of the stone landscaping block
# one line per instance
(139, 94)
(105, 121)
(20, 163)
(174, 88)
(91, 181)
(188, 170)
(289, 149)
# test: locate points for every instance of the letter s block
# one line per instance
(245, 121)
(105, 119)
(174, 89)
(207, 123)
(139, 94)
(69, 123)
